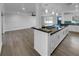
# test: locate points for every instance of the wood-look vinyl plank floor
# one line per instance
(69, 46)
(18, 43)
(21, 43)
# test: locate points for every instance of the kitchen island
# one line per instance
(46, 40)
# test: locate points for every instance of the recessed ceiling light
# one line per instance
(53, 12)
(23, 8)
(46, 11)
(56, 14)
(76, 6)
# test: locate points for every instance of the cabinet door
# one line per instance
(74, 28)
(70, 28)
(41, 42)
(56, 38)
(52, 42)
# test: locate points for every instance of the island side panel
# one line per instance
(41, 40)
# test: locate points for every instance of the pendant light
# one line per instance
(76, 7)
(56, 14)
(53, 12)
(23, 8)
(46, 11)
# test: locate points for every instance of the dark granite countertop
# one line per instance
(51, 31)
(41, 30)
(69, 24)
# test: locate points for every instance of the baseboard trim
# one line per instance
(14, 29)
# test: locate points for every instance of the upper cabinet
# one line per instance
(70, 17)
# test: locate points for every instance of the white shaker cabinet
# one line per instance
(45, 43)
(56, 38)
(54, 41)
(41, 42)
(74, 28)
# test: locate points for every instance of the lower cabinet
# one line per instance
(41, 42)
(74, 28)
(56, 38)
(59, 36)
(53, 42)
(45, 44)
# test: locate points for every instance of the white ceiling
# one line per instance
(17, 7)
(61, 6)
(30, 7)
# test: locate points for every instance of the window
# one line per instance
(48, 21)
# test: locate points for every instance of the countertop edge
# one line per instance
(48, 31)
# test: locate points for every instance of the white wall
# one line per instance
(17, 22)
(1, 5)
